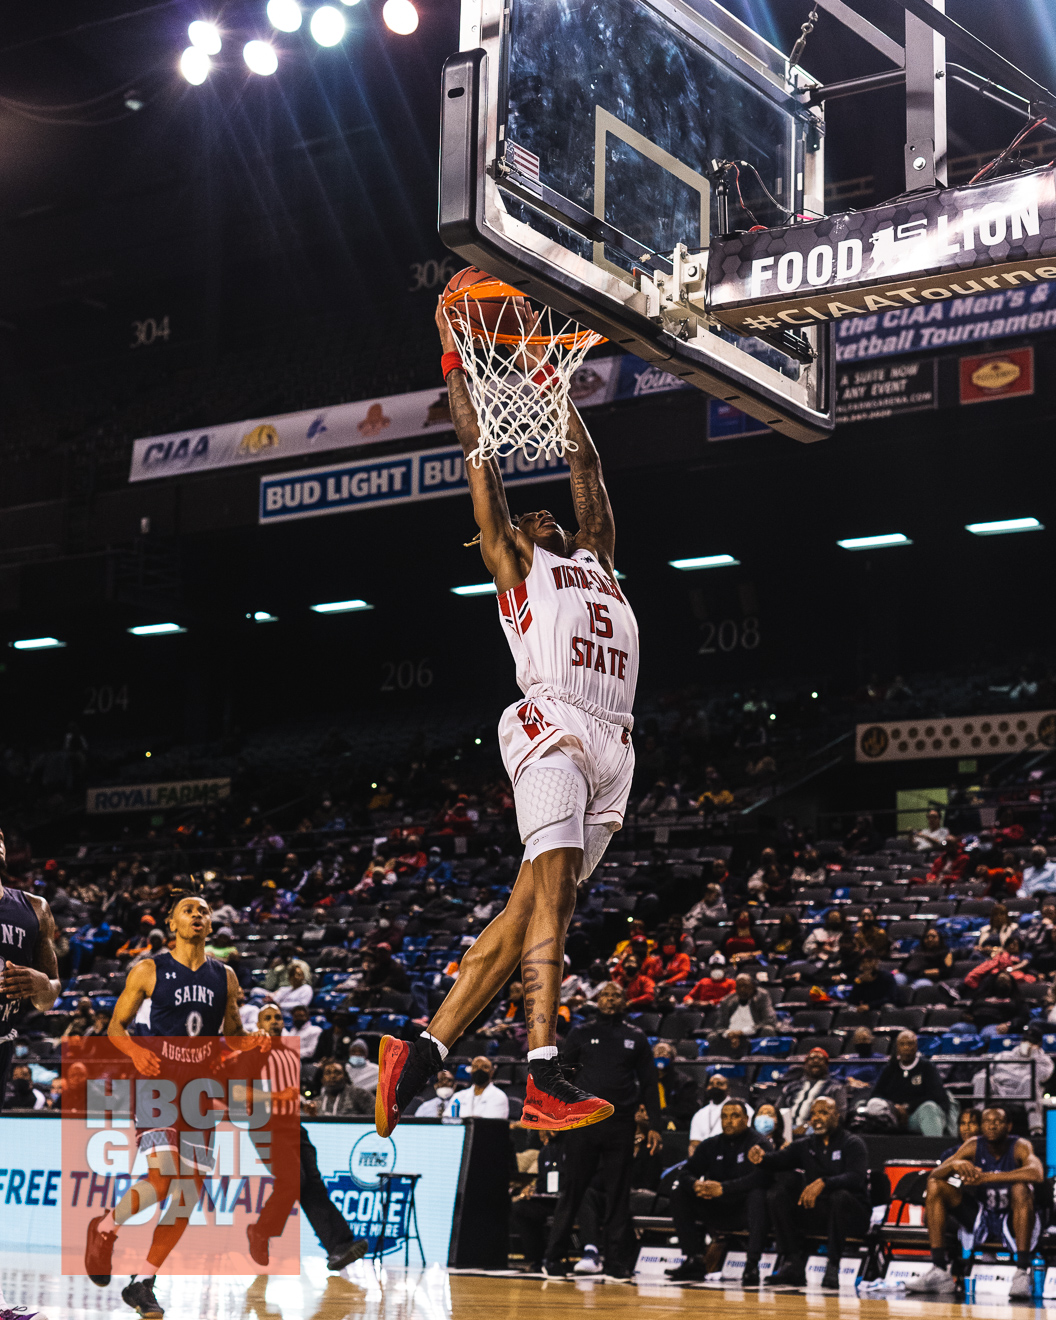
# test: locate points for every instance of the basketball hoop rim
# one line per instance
(486, 290)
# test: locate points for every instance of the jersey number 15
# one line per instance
(600, 623)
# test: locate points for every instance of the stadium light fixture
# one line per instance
(284, 15)
(260, 57)
(704, 561)
(37, 644)
(205, 36)
(1004, 526)
(341, 606)
(350, 3)
(195, 65)
(327, 26)
(155, 629)
(400, 17)
(475, 589)
(874, 542)
(262, 616)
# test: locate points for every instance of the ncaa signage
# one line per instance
(922, 250)
(374, 1210)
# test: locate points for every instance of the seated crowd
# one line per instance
(797, 996)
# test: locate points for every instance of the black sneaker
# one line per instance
(139, 1294)
(750, 1277)
(555, 1269)
(692, 1270)
(404, 1067)
(793, 1273)
(832, 1276)
(354, 1250)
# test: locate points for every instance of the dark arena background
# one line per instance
(218, 275)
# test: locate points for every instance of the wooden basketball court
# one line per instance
(435, 1294)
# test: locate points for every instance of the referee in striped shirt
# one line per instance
(282, 1068)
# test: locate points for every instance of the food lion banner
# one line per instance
(974, 735)
(348, 425)
(396, 479)
(922, 250)
(156, 797)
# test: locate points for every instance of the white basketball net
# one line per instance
(518, 382)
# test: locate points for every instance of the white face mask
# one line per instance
(357, 1061)
(445, 1092)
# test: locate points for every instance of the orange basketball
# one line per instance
(507, 313)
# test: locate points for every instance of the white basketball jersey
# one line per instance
(569, 626)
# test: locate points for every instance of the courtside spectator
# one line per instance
(707, 1121)
(804, 1086)
(911, 1085)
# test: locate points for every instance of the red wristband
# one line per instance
(451, 362)
(544, 375)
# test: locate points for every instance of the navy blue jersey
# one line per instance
(19, 934)
(994, 1197)
(188, 1003)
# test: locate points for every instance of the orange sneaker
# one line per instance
(554, 1104)
(404, 1067)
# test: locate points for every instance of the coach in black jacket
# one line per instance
(613, 1060)
(719, 1189)
(835, 1196)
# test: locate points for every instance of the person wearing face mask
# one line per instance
(1010, 1075)
(482, 1099)
(717, 1190)
(707, 1121)
(767, 1122)
(337, 1095)
(363, 1073)
(442, 1104)
(713, 987)
(678, 1092)
(22, 1094)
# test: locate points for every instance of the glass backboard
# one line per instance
(580, 152)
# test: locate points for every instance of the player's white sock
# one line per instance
(543, 1052)
(438, 1043)
(145, 1270)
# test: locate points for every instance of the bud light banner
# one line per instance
(396, 479)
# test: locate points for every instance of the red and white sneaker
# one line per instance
(554, 1104)
(404, 1067)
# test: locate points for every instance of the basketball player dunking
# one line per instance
(566, 747)
(29, 972)
(194, 995)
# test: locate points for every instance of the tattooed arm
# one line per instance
(597, 532)
(506, 558)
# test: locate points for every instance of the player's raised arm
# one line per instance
(597, 531)
(499, 546)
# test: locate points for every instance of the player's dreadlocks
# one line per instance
(184, 886)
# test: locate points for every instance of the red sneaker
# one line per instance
(554, 1104)
(404, 1067)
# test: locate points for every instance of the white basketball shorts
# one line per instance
(571, 775)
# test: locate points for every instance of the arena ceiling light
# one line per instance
(1003, 526)
(400, 17)
(37, 644)
(327, 25)
(260, 57)
(874, 542)
(262, 616)
(704, 561)
(195, 65)
(475, 589)
(284, 15)
(341, 606)
(155, 629)
(205, 36)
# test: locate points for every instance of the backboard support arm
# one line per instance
(925, 102)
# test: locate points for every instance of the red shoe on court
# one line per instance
(404, 1067)
(554, 1104)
